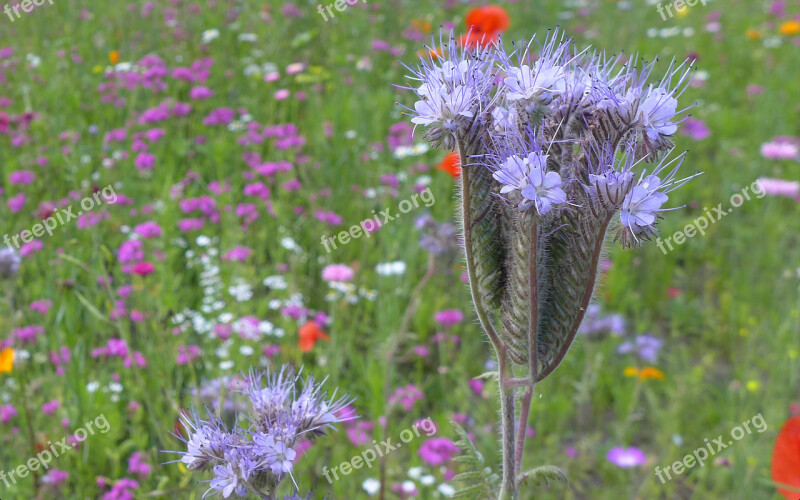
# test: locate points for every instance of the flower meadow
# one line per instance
(494, 320)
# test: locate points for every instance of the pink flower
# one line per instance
(148, 229)
(448, 317)
(780, 187)
(143, 268)
(237, 254)
(16, 203)
(437, 451)
(187, 225)
(200, 93)
(51, 407)
(626, 457)
(781, 148)
(137, 465)
(187, 354)
(337, 272)
(144, 161)
(41, 306)
(31, 248)
(7, 412)
(21, 177)
(281, 94)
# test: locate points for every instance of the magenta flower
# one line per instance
(237, 254)
(21, 177)
(7, 412)
(137, 465)
(148, 229)
(449, 317)
(199, 93)
(143, 268)
(626, 457)
(16, 203)
(144, 161)
(55, 476)
(696, 129)
(781, 148)
(437, 451)
(51, 407)
(337, 272)
(780, 187)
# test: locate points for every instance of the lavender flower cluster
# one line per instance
(254, 456)
(558, 130)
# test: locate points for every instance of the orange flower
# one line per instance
(113, 56)
(485, 25)
(6, 360)
(488, 19)
(451, 164)
(649, 372)
(786, 458)
(310, 333)
(645, 373)
(753, 34)
(789, 28)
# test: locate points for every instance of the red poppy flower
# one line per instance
(485, 25)
(309, 334)
(786, 458)
(488, 19)
(451, 164)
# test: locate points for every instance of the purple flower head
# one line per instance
(254, 459)
(278, 457)
(453, 85)
(9, 263)
(540, 82)
(626, 457)
(543, 190)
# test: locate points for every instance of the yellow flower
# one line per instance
(753, 385)
(753, 34)
(789, 28)
(97, 69)
(649, 372)
(631, 371)
(6, 360)
(113, 57)
(683, 11)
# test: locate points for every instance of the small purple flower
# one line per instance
(449, 317)
(641, 205)
(275, 454)
(437, 451)
(543, 190)
(626, 457)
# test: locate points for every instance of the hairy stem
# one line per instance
(483, 316)
(507, 418)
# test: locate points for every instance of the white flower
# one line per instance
(391, 268)
(371, 486)
(446, 490)
(415, 472)
(210, 35)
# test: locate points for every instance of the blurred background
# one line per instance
(236, 138)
